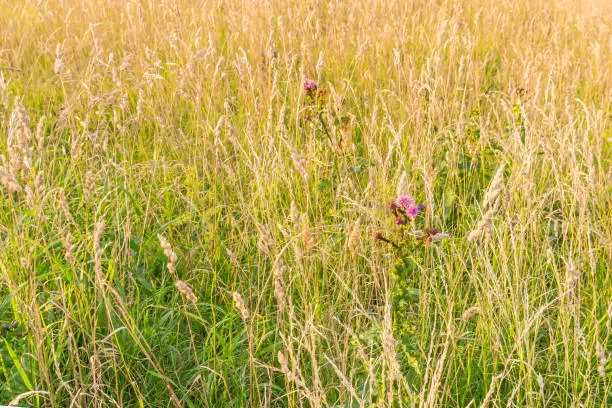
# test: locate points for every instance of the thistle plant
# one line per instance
(332, 124)
(405, 212)
(409, 243)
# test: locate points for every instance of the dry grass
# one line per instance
(174, 232)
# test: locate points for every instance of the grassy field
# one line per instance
(301, 203)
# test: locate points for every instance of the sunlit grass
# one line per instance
(186, 221)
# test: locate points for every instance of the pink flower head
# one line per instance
(310, 86)
(414, 210)
(378, 236)
(404, 201)
(400, 221)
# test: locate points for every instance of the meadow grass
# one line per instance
(186, 221)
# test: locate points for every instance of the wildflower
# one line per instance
(404, 208)
(310, 86)
(413, 210)
(404, 202)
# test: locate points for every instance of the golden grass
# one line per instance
(181, 226)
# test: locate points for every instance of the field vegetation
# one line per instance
(305, 203)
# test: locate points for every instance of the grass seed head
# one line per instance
(353, 240)
(240, 305)
(170, 254)
(186, 291)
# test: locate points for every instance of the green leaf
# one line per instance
(18, 366)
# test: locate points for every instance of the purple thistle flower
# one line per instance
(404, 201)
(413, 210)
(400, 221)
(310, 86)
(379, 236)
